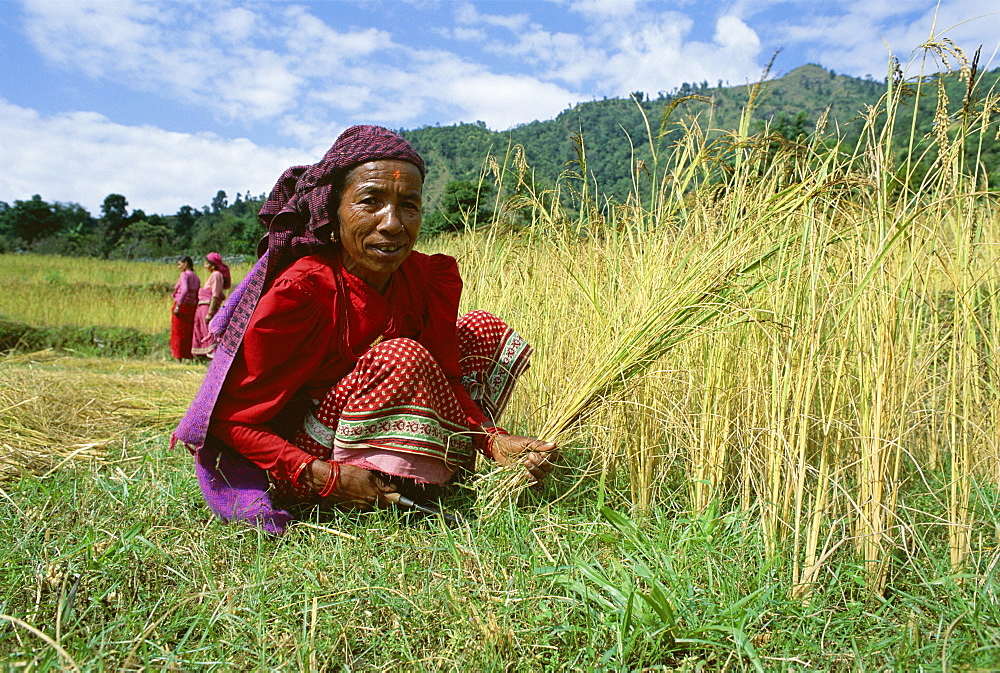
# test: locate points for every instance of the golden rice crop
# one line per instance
(792, 333)
(51, 291)
(57, 410)
(805, 338)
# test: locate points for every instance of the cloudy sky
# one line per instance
(167, 101)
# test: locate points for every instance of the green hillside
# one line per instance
(613, 128)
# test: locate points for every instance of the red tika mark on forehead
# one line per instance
(396, 174)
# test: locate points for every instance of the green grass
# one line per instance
(122, 565)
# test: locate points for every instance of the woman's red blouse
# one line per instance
(295, 342)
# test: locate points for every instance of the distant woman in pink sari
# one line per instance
(181, 318)
(210, 298)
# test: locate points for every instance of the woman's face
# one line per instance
(182, 265)
(379, 217)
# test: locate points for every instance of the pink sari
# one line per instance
(203, 342)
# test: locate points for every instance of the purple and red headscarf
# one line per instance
(300, 219)
(298, 211)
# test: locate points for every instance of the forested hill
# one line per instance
(613, 131)
(610, 128)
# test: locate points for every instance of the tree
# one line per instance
(220, 202)
(30, 220)
(465, 203)
(185, 222)
(115, 208)
(114, 220)
(145, 238)
(791, 128)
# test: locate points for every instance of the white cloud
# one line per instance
(601, 9)
(468, 14)
(224, 58)
(451, 89)
(734, 35)
(856, 37)
(467, 34)
(282, 64)
(656, 57)
(82, 157)
(501, 100)
(628, 47)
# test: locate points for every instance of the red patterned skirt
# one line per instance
(396, 413)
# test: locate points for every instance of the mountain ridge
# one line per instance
(613, 129)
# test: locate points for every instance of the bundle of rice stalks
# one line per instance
(665, 307)
(58, 410)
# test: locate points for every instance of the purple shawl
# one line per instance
(300, 219)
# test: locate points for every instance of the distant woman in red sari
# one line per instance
(210, 298)
(182, 316)
(343, 371)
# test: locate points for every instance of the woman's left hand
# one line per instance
(536, 455)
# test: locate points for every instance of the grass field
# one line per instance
(51, 291)
(773, 374)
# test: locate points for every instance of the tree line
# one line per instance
(36, 225)
(613, 134)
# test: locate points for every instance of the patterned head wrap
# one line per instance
(298, 212)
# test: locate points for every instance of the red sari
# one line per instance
(182, 316)
(330, 368)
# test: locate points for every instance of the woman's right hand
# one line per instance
(536, 455)
(357, 488)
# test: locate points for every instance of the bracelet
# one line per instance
(299, 469)
(331, 480)
(491, 434)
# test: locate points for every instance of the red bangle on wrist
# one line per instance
(331, 480)
(491, 434)
(300, 469)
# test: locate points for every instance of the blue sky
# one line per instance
(167, 101)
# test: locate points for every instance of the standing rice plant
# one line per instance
(799, 331)
(647, 289)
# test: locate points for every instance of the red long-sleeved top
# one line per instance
(295, 342)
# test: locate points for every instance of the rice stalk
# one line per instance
(674, 306)
(58, 411)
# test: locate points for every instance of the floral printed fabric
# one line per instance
(397, 413)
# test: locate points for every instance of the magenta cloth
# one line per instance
(299, 223)
(216, 260)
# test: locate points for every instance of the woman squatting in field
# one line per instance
(343, 372)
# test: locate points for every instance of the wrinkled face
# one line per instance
(379, 218)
